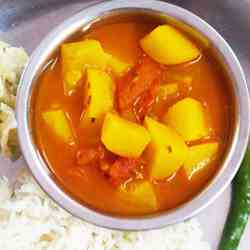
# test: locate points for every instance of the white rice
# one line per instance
(29, 220)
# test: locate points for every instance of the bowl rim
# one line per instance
(39, 168)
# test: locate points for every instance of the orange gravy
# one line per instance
(88, 184)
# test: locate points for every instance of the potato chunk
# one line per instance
(167, 45)
(199, 156)
(123, 137)
(98, 99)
(167, 90)
(76, 57)
(59, 124)
(167, 150)
(117, 66)
(98, 95)
(188, 119)
(140, 194)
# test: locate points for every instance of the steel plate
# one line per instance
(25, 22)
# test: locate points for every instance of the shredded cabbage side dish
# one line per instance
(12, 62)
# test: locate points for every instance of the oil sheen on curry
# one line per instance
(133, 117)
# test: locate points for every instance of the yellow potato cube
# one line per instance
(166, 152)
(167, 90)
(76, 57)
(98, 99)
(59, 124)
(167, 45)
(117, 66)
(140, 194)
(98, 95)
(199, 156)
(195, 34)
(187, 117)
(123, 137)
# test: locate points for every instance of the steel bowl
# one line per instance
(83, 20)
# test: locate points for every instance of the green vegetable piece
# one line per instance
(59, 124)
(240, 209)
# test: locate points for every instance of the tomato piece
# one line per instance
(86, 156)
(137, 90)
(123, 169)
(145, 102)
(116, 169)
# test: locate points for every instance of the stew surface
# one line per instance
(121, 138)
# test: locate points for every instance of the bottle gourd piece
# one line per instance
(167, 45)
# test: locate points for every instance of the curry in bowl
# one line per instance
(132, 116)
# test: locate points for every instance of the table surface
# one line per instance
(24, 23)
